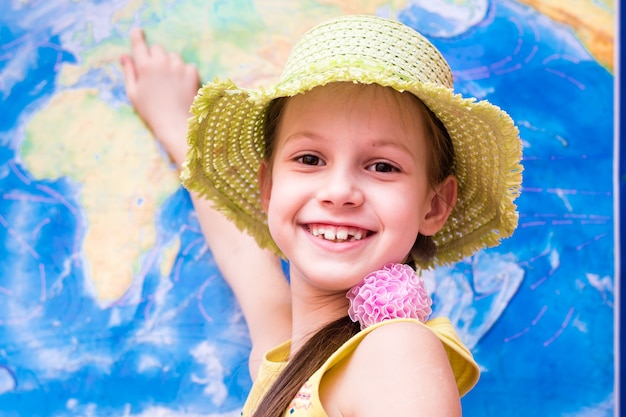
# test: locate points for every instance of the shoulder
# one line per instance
(395, 331)
(401, 346)
(399, 368)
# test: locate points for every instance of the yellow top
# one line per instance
(307, 401)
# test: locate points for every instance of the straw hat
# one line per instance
(226, 141)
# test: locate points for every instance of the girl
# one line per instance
(359, 160)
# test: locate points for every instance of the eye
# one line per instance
(383, 167)
(310, 160)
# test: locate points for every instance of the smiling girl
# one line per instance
(360, 161)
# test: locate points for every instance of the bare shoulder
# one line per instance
(400, 369)
(402, 346)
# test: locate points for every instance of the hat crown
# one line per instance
(367, 43)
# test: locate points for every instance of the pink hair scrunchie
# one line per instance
(392, 292)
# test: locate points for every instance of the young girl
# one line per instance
(358, 161)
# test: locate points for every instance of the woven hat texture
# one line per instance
(226, 141)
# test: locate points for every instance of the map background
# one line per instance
(109, 301)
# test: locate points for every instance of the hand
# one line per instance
(161, 88)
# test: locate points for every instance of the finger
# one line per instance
(175, 59)
(177, 63)
(192, 74)
(138, 44)
(130, 75)
(157, 52)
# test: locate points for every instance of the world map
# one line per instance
(110, 300)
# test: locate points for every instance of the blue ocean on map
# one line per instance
(537, 311)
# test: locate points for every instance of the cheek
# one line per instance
(403, 211)
(283, 202)
(273, 221)
(406, 222)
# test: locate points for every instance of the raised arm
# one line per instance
(161, 88)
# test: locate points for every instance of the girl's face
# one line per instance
(348, 189)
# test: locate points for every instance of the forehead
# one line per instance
(404, 106)
(368, 109)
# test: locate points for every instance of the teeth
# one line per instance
(339, 234)
(342, 233)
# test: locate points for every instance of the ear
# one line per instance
(442, 202)
(265, 184)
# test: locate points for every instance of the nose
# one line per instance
(341, 188)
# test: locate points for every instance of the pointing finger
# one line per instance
(138, 44)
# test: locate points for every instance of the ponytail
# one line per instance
(303, 364)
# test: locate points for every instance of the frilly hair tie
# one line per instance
(395, 291)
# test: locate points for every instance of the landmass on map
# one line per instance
(593, 21)
(123, 176)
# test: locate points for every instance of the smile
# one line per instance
(338, 233)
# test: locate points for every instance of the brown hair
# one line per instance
(327, 340)
(304, 363)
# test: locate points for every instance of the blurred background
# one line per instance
(110, 302)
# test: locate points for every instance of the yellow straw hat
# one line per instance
(226, 142)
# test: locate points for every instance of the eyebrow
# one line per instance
(384, 142)
(304, 135)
